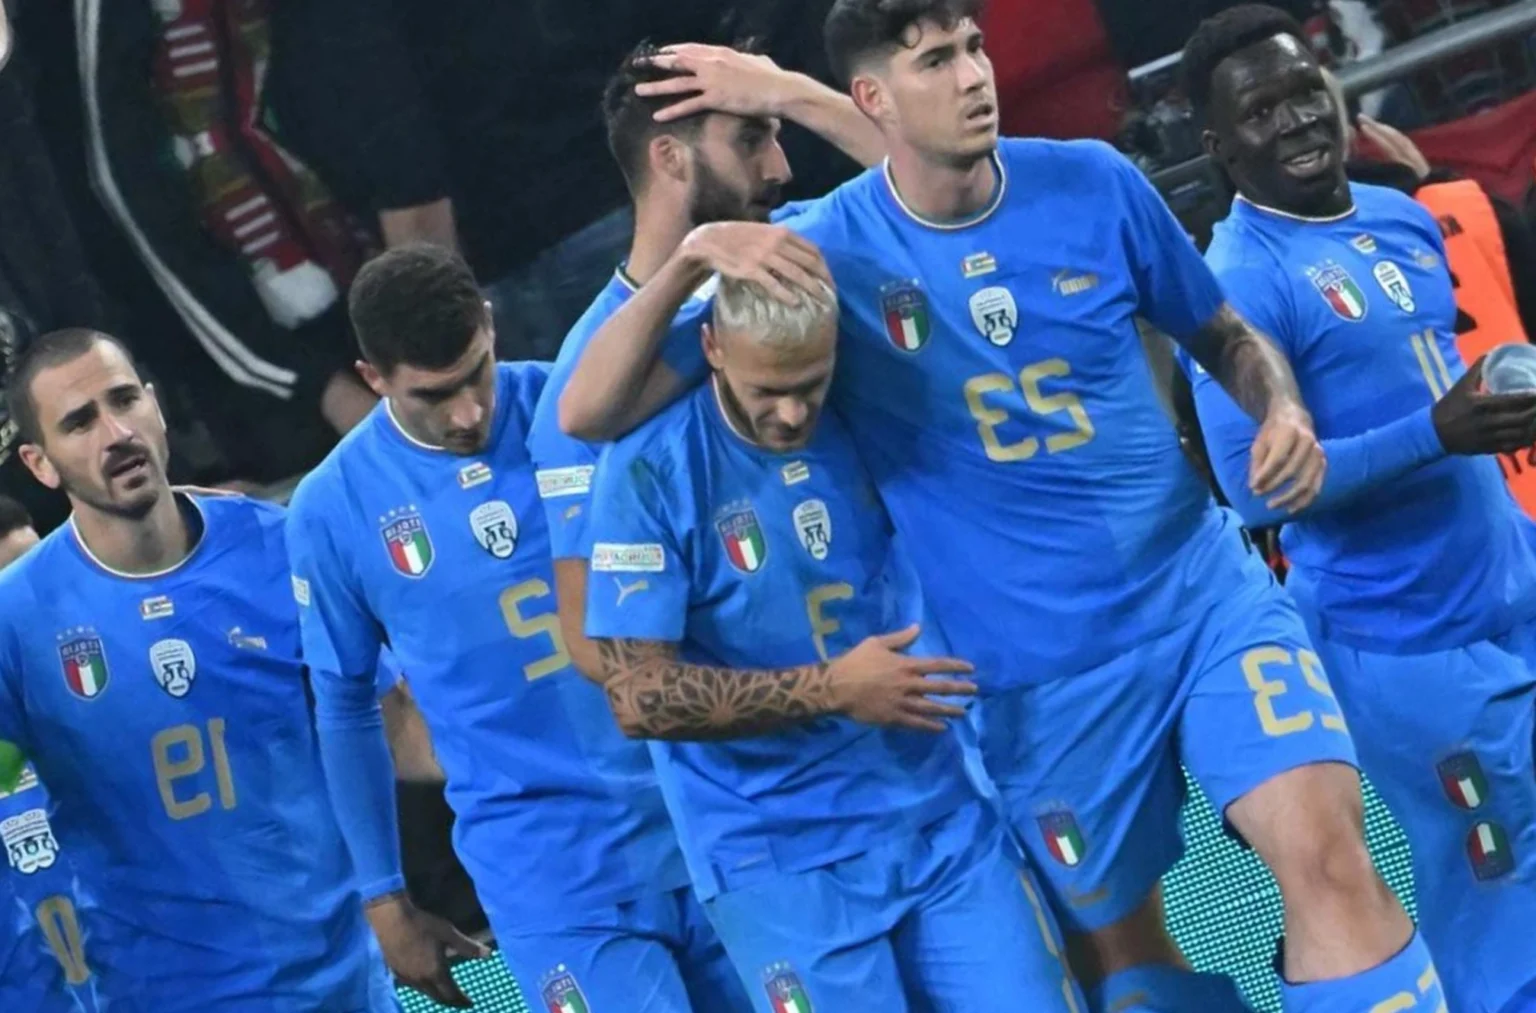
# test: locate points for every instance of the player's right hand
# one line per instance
(416, 945)
(1469, 421)
(751, 251)
(877, 684)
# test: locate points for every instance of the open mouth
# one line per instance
(1308, 161)
(983, 113)
(131, 466)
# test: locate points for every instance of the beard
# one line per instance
(95, 491)
(714, 200)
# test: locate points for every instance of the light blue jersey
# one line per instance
(1413, 568)
(47, 916)
(169, 716)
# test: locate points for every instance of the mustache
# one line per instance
(121, 454)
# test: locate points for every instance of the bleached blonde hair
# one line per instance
(748, 309)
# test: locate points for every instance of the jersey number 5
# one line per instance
(179, 753)
(989, 418)
(544, 624)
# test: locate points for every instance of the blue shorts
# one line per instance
(657, 955)
(944, 921)
(1446, 738)
(1087, 766)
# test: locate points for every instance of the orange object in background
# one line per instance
(1488, 315)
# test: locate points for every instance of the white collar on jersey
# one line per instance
(389, 409)
(1314, 219)
(963, 223)
(176, 490)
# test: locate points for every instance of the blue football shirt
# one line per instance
(446, 558)
(754, 559)
(46, 913)
(564, 464)
(993, 378)
(1407, 549)
(169, 717)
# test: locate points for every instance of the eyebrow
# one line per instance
(452, 386)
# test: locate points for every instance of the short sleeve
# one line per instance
(1260, 296)
(340, 636)
(638, 586)
(683, 349)
(1176, 290)
(563, 469)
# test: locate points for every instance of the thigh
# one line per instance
(814, 940)
(714, 985)
(980, 938)
(1089, 783)
(1260, 703)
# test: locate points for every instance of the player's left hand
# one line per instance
(416, 945)
(719, 79)
(1287, 463)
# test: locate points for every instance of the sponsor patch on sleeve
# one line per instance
(572, 481)
(612, 557)
(300, 590)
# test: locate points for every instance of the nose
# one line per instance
(465, 413)
(1292, 116)
(972, 68)
(114, 428)
(792, 412)
(777, 170)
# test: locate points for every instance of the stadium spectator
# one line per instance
(17, 534)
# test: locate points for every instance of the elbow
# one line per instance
(575, 421)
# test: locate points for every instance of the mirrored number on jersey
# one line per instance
(544, 624)
(61, 929)
(988, 418)
(179, 753)
(823, 626)
(1427, 350)
(1431, 997)
(1263, 668)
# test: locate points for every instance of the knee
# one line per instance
(1312, 837)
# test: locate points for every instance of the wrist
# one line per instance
(800, 96)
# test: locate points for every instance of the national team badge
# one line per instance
(1062, 837)
(406, 538)
(474, 474)
(785, 992)
(1364, 242)
(905, 309)
(978, 264)
(174, 666)
(85, 664)
(1463, 780)
(495, 527)
(1393, 282)
(562, 994)
(995, 314)
(745, 545)
(1339, 289)
(29, 842)
(1488, 850)
(814, 526)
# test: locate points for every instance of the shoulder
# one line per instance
(1236, 248)
(26, 582)
(834, 216)
(662, 447)
(1386, 203)
(234, 519)
(521, 383)
(605, 305)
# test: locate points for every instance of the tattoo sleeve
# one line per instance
(655, 695)
(1245, 362)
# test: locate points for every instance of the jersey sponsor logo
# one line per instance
(562, 993)
(85, 663)
(1339, 290)
(633, 587)
(571, 513)
(905, 310)
(300, 590)
(158, 607)
(995, 314)
(26, 782)
(1489, 852)
(1063, 837)
(406, 539)
(785, 992)
(814, 526)
(495, 527)
(242, 641)
(1425, 259)
(1393, 282)
(1364, 242)
(476, 473)
(1068, 282)
(573, 481)
(978, 264)
(174, 666)
(617, 557)
(795, 472)
(745, 545)
(29, 842)
(1463, 780)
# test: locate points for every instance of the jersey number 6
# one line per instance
(989, 418)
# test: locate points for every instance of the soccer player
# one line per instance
(423, 529)
(752, 613)
(993, 379)
(149, 667)
(44, 910)
(695, 131)
(1414, 566)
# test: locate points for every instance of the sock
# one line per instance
(1406, 982)
(1159, 988)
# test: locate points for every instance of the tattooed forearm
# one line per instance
(656, 696)
(1245, 362)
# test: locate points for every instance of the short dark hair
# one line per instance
(857, 29)
(13, 516)
(52, 349)
(1220, 36)
(416, 305)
